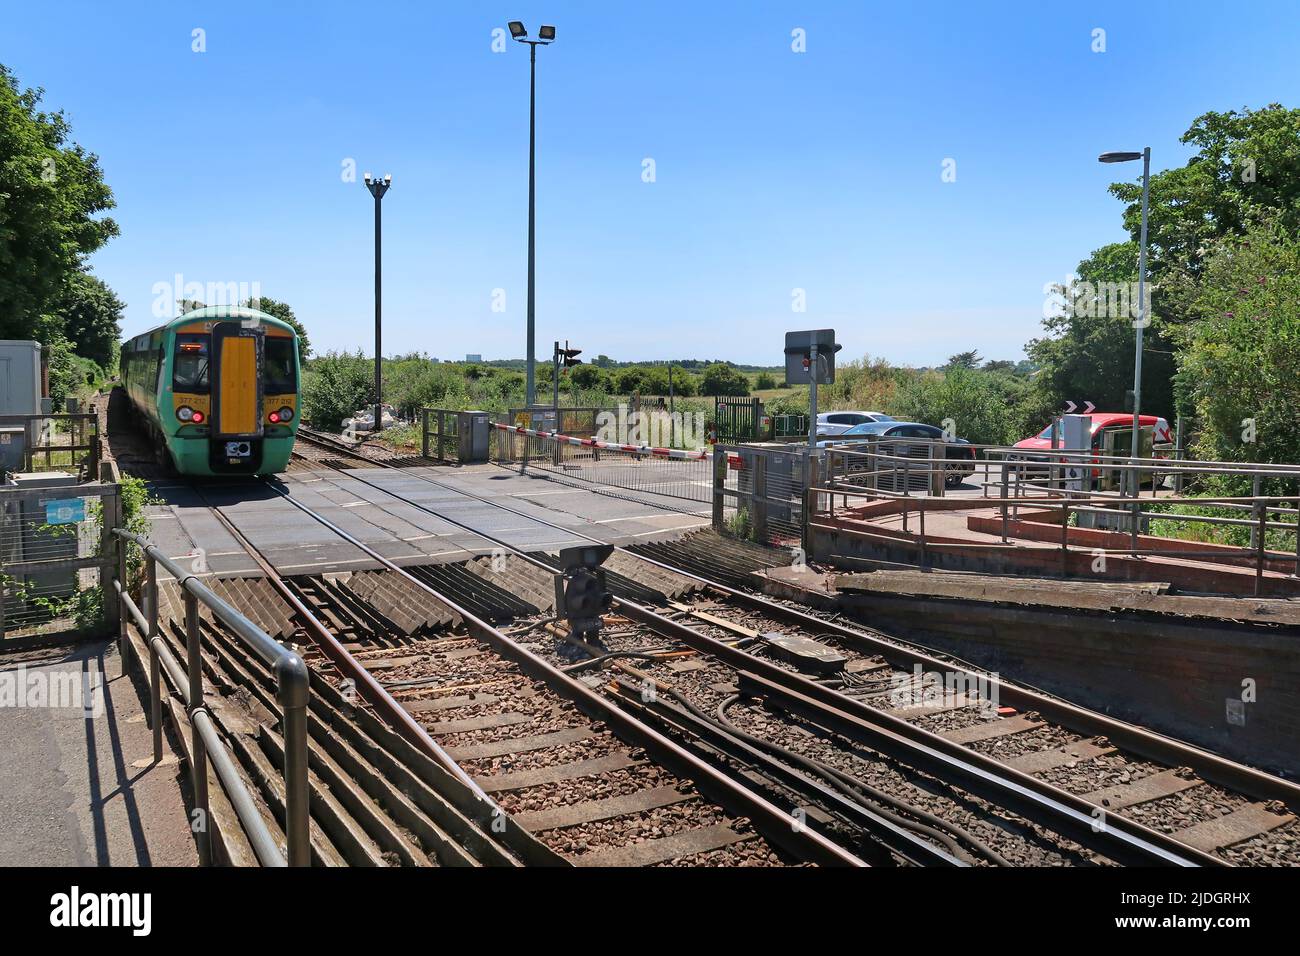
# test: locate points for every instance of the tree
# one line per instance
(1087, 355)
(91, 316)
(1247, 163)
(980, 406)
(588, 377)
(284, 312)
(628, 380)
(969, 359)
(50, 193)
(764, 381)
(722, 379)
(1240, 358)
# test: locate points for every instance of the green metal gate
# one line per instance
(740, 420)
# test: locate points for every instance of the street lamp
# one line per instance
(377, 189)
(544, 36)
(1128, 157)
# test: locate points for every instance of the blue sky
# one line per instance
(774, 170)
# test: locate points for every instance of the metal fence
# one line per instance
(739, 420)
(758, 492)
(440, 434)
(56, 556)
(649, 476)
(65, 442)
(292, 693)
(1071, 490)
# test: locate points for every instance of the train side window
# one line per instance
(190, 372)
(277, 366)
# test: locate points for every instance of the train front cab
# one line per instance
(234, 398)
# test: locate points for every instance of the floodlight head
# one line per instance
(388, 179)
(517, 29)
(367, 178)
(1118, 157)
(547, 33)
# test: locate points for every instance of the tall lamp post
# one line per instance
(544, 36)
(377, 189)
(1140, 324)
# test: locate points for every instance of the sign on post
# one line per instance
(810, 357)
(799, 361)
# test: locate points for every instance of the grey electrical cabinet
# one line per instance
(20, 378)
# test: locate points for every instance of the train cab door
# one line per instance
(236, 389)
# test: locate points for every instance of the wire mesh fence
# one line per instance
(759, 492)
(55, 558)
(675, 481)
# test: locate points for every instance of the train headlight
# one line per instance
(286, 414)
(185, 413)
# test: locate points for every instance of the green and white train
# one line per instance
(217, 390)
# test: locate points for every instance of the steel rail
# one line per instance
(889, 833)
(370, 689)
(1052, 806)
(774, 823)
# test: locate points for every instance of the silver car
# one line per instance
(837, 423)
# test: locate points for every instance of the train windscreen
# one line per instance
(278, 366)
(190, 368)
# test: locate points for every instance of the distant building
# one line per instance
(474, 358)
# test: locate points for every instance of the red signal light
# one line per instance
(198, 417)
(274, 416)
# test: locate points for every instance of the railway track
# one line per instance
(598, 787)
(1178, 803)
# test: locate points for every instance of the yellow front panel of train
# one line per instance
(238, 386)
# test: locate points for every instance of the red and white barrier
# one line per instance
(609, 445)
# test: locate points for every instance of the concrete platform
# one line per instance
(77, 784)
(358, 502)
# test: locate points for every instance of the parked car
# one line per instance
(837, 423)
(960, 456)
(1101, 422)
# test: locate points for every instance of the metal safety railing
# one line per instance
(1056, 487)
(292, 693)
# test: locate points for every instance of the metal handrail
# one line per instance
(292, 693)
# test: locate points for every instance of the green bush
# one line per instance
(334, 386)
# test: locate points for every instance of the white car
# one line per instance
(837, 423)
